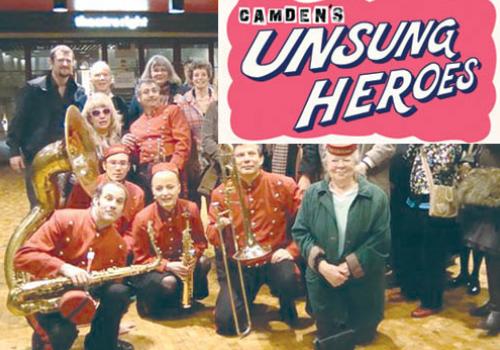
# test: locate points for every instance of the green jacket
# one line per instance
(360, 301)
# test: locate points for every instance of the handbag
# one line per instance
(443, 199)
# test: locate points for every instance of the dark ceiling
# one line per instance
(190, 6)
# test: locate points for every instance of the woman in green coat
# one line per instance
(343, 231)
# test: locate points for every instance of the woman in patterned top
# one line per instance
(424, 264)
(195, 104)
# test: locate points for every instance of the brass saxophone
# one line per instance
(43, 296)
(188, 259)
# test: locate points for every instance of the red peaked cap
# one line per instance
(116, 149)
(341, 150)
(164, 167)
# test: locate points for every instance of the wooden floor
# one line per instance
(451, 329)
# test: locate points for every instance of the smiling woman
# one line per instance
(342, 229)
(100, 112)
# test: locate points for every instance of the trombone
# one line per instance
(252, 253)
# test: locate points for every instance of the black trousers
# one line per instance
(30, 191)
(493, 274)
(59, 333)
(282, 278)
(154, 300)
(424, 254)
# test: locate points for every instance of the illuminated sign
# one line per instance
(82, 21)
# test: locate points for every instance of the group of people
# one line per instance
(307, 220)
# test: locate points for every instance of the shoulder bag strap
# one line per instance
(427, 169)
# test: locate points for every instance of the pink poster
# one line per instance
(358, 70)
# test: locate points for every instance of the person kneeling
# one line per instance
(272, 204)
(72, 243)
(342, 229)
(162, 290)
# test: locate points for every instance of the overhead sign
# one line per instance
(83, 21)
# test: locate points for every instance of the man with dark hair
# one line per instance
(116, 165)
(72, 243)
(40, 112)
(161, 134)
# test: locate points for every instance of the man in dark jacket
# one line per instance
(40, 111)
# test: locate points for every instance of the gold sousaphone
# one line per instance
(77, 154)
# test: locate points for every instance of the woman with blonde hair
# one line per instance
(161, 70)
(101, 80)
(101, 114)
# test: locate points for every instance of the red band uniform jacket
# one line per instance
(272, 203)
(79, 199)
(67, 237)
(168, 227)
(167, 127)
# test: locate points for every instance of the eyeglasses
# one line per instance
(97, 112)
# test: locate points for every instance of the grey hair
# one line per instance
(159, 60)
(144, 81)
(99, 65)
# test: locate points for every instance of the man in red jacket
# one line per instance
(72, 243)
(116, 165)
(160, 291)
(272, 202)
(161, 134)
